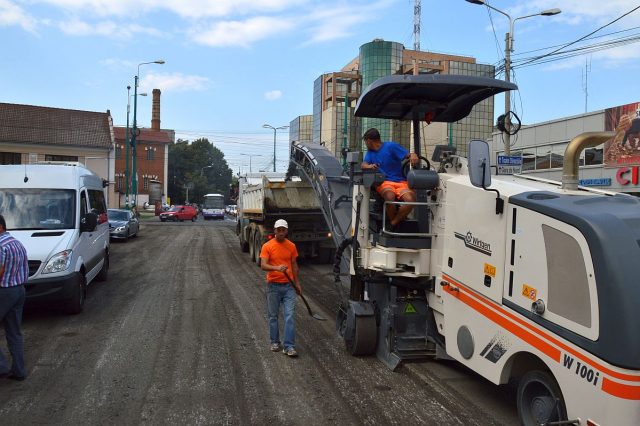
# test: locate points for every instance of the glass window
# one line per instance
(145, 183)
(38, 208)
(96, 202)
(118, 151)
(10, 158)
(528, 159)
(593, 156)
(150, 153)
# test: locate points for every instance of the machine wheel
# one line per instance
(104, 271)
(365, 336)
(75, 304)
(540, 400)
(257, 242)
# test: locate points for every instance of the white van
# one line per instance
(58, 212)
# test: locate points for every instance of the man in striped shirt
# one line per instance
(14, 272)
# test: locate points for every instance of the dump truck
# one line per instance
(266, 197)
(521, 279)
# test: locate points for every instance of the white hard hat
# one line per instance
(281, 223)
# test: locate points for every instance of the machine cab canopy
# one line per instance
(430, 97)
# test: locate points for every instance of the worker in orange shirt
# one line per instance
(279, 258)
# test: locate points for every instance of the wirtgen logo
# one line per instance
(474, 243)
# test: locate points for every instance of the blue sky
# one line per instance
(233, 65)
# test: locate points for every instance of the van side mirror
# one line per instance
(479, 164)
(88, 222)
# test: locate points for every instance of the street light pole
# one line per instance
(126, 142)
(508, 48)
(126, 157)
(275, 130)
(134, 136)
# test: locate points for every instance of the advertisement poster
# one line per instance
(624, 148)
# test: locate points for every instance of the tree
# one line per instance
(188, 163)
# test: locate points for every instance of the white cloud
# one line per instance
(11, 14)
(189, 9)
(176, 82)
(273, 95)
(105, 28)
(240, 33)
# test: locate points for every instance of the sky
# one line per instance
(233, 65)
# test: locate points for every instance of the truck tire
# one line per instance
(74, 305)
(257, 242)
(252, 247)
(244, 246)
(540, 400)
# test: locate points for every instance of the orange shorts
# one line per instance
(398, 188)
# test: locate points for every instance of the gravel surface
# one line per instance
(178, 335)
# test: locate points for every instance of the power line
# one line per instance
(581, 38)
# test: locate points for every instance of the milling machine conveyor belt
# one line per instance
(331, 185)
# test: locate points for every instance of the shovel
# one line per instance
(315, 316)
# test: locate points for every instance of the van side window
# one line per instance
(83, 203)
(96, 202)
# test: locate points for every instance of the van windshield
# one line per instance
(25, 209)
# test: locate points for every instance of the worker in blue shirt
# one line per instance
(387, 158)
(14, 272)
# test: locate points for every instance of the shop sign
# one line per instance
(595, 182)
(627, 175)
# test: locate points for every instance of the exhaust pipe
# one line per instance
(572, 155)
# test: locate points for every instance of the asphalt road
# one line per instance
(178, 335)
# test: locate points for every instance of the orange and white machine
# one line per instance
(517, 278)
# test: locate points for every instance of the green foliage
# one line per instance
(188, 163)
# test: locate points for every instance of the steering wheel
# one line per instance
(406, 163)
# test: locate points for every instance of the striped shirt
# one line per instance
(14, 266)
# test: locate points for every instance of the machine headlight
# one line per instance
(59, 262)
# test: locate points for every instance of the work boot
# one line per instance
(290, 352)
(275, 347)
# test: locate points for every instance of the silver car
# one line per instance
(122, 224)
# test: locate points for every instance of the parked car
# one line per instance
(122, 224)
(179, 213)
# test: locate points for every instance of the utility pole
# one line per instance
(416, 25)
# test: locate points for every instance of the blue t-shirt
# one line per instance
(389, 160)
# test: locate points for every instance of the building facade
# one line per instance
(152, 159)
(31, 134)
(335, 96)
(613, 165)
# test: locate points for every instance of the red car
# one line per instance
(179, 213)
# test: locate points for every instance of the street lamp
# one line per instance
(275, 130)
(250, 157)
(508, 48)
(126, 143)
(134, 136)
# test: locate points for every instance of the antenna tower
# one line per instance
(416, 25)
(585, 81)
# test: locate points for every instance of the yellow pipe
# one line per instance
(572, 155)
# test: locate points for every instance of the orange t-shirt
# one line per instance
(277, 254)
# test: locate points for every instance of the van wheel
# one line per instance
(75, 304)
(540, 400)
(104, 272)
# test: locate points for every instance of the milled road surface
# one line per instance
(178, 335)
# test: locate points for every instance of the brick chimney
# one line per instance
(155, 110)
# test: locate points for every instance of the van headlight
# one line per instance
(59, 262)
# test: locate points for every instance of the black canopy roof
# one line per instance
(437, 97)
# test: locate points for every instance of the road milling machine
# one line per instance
(519, 279)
